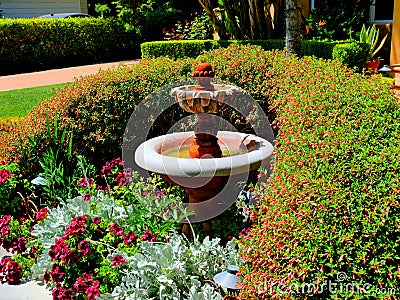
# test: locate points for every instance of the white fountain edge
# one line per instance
(148, 158)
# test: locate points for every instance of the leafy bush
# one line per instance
(37, 44)
(182, 49)
(352, 54)
(95, 109)
(12, 185)
(330, 212)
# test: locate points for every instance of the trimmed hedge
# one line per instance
(37, 44)
(328, 223)
(349, 53)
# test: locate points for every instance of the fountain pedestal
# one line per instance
(207, 176)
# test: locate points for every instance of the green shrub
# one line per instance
(353, 54)
(36, 44)
(95, 109)
(181, 49)
(330, 212)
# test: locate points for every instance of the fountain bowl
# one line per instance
(149, 156)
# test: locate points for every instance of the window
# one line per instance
(381, 11)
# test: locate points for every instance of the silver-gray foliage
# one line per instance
(176, 269)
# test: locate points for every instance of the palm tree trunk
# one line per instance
(293, 27)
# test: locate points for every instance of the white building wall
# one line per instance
(31, 9)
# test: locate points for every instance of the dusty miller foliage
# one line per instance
(175, 270)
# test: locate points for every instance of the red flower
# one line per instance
(147, 236)
(70, 256)
(76, 226)
(84, 282)
(86, 197)
(86, 182)
(118, 260)
(42, 214)
(5, 230)
(58, 248)
(4, 175)
(129, 237)
(93, 292)
(96, 220)
(57, 273)
(116, 229)
(5, 220)
(12, 271)
(84, 247)
(63, 294)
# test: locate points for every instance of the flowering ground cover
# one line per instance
(330, 207)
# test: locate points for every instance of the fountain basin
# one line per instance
(149, 155)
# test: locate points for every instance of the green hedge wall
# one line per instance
(351, 53)
(36, 44)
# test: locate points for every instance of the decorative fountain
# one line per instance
(207, 162)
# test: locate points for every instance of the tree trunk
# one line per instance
(219, 26)
(230, 13)
(293, 27)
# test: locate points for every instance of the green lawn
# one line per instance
(17, 103)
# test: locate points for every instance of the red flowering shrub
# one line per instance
(80, 257)
(329, 216)
(14, 237)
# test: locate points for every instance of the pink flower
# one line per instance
(5, 220)
(58, 248)
(129, 237)
(118, 260)
(76, 226)
(57, 273)
(42, 214)
(116, 229)
(4, 175)
(84, 247)
(96, 220)
(86, 197)
(70, 256)
(93, 292)
(86, 182)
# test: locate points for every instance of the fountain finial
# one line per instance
(204, 69)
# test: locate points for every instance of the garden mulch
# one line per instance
(55, 76)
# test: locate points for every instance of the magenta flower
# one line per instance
(86, 182)
(84, 248)
(42, 214)
(70, 256)
(4, 175)
(57, 273)
(93, 292)
(76, 226)
(5, 220)
(129, 237)
(116, 229)
(96, 220)
(58, 248)
(118, 260)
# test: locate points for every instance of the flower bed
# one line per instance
(331, 206)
